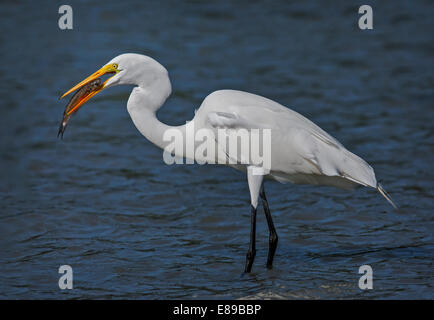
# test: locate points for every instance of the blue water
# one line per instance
(103, 201)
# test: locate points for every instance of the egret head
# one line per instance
(125, 69)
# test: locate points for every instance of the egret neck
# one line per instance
(143, 104)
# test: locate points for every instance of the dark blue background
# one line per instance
(103, 201)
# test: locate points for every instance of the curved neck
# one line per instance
(142, 107)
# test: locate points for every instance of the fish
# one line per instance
(78, 95)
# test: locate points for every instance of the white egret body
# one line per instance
(301, 152)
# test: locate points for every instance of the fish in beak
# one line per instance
(82, 95)
(86, 89)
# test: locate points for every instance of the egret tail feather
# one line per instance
(386, 195)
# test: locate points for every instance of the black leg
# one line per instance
(273, 239)
(252, 248)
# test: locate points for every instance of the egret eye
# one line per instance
(115, 65)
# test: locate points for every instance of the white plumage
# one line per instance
(301, 152)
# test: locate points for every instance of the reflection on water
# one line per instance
(103, 201)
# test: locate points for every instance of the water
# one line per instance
(103, 201)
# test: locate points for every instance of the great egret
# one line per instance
(301, 152)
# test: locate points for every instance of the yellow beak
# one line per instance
(110, 68)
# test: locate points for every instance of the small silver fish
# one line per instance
(78, 95)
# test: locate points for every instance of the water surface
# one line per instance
(103, 201)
